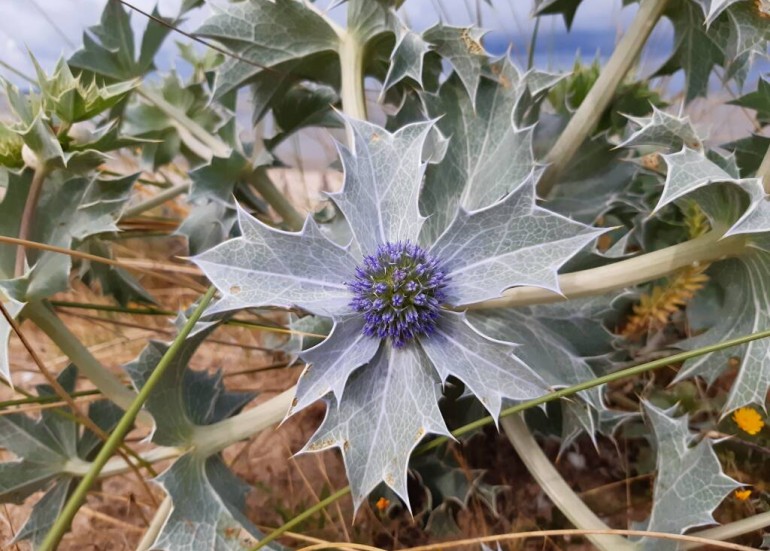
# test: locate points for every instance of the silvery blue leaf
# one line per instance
(513, 242)
(266, 266)
(689, 483)
(382, 182)
(330, 363)
(387, 409)
(486, 366)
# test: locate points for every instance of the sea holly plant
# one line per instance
(502, 240)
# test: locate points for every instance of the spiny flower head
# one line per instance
(399, 290)
(748, 420)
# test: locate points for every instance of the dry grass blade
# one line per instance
(93, 258)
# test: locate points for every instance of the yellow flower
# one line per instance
(748, 420)
(742, 495)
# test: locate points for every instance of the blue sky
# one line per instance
(50, 28)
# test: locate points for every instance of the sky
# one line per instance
(52, 28)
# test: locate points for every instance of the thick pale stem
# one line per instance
(210, 439)
(151, 534)
(733, 529)
(187, 126)
(764, 171)
(556, 488)
(647, 267)
(118, 465)
(28, 214)
(352, 67)
(602, 92)
(266, 188)
(42, 316)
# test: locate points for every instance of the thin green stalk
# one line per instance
(266, 188)
(62, 523)
(556, 488)
(112, 388)
(320, 506)
(599, 97)
(17, 72)
(556, 395)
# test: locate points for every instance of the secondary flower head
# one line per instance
(742, 494)
(399, 290)
(392, 284)
(748, 420)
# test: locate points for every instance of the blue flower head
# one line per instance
(395, 293)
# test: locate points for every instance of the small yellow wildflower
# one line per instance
(748, 420)
(742, 495)
(382, 504)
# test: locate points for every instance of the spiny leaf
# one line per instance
(268, 34)
(379, 197)
(759, 100)
(461, 47)
(697, 49)
(184, 398)
(513, 242)
(73, 100)
(288, 275)
(488, 154)
(208, 499)
(565, 7)
(407, 58)
(664, 130)
(689, 483)
(109, 49)
(400, 383)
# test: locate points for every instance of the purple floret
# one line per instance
(399, 290)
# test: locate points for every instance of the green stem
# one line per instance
(320, 506)
(639, 269)
(266, 188)
(352, 66)
(599, 97)
(112, 388)
(556, 395)
(62, 523)
(532, 44)
(556, 488)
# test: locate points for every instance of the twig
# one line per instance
(28, 214)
